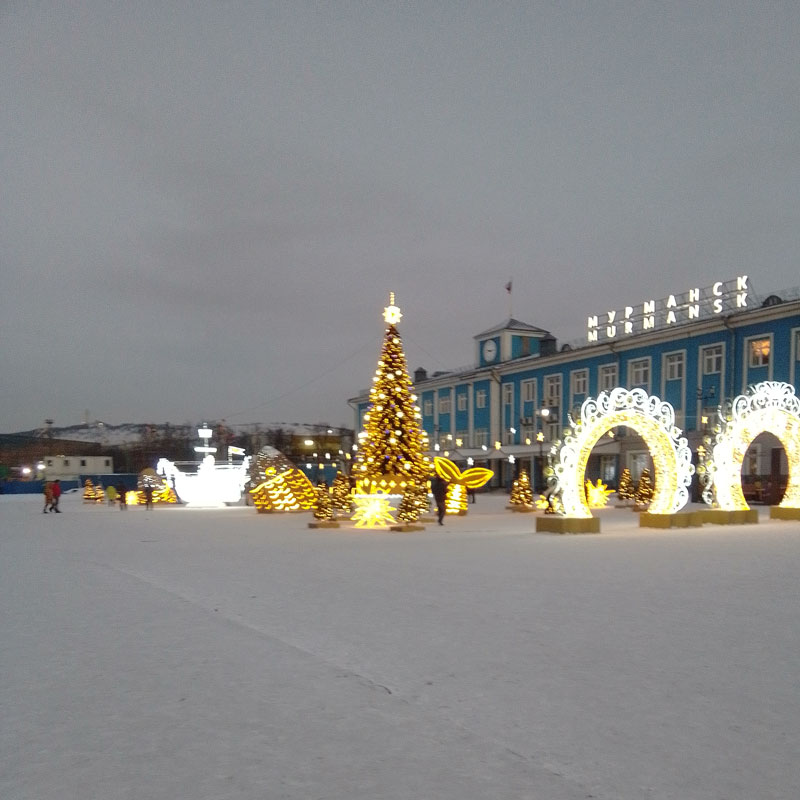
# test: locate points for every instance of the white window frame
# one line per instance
(427, 408)
(508, 394)
(670, 360)
(445, 403)
(481, 437)
(480, 399)
(461, 401)
(639, 364)
(607, 377)
(751, 362)
(712, 358)
(579, 376)
(528, 390)
(552, 391)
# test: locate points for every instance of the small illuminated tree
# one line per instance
(644, 489)
(409, 509)
(89, 494)
(323, 508)
(521, 493)
(392, 454)
(625, 490)
(340, 493)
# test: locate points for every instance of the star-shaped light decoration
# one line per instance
(597, 494)
(372, 511)
(391, 313)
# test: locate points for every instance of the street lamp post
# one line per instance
(543, 414)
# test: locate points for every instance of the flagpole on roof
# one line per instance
(510, 299)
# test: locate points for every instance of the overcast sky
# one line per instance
(205, 205)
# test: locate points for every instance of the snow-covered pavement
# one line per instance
(215, 654)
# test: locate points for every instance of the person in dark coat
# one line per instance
(439, 492)
(122, 490)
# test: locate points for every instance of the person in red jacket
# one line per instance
(56, 496)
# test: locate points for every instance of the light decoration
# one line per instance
(626, 489)
(131, 498)
(278, 485)
(340, 493)
(770, 406)
(161, 491)
(521, 493)
(392, 447)
(372, 511)
(458, 483)
(597, 494)
(323, 508)
(550, 504)
(413, 504)
(653, 420)
(91, 493)
(212, 486)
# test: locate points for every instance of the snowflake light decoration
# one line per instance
(372, 511)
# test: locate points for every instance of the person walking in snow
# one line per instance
(439, 492)
(121, 492)
(56, 490)
(48, 496)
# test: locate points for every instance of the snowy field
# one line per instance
(217, 654)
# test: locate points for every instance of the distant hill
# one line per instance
(134, 432)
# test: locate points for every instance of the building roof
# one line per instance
(511, 324)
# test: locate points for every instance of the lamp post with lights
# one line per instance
(543, 414)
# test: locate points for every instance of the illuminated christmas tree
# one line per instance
(625, 490)
(521, 493)
(392, 454)
(323, 508)
(413, 504)
(644, 489)
(90, 493)
(340, 493)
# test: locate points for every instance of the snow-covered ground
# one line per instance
(219, 654)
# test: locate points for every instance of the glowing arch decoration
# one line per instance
(767, 407)
(653, 419)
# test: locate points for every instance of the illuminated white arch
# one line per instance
(770, 406)
(653, 420)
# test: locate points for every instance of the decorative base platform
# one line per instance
(681, 519)
(406, 528)
(431, 520)
(281, 511)
(324, 523)
(521, 509)
(716, 516)
(553, 523)
(779, 512)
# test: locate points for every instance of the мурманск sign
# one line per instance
(695, 304)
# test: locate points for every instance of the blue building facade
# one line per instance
(696, 351)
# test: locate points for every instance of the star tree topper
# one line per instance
(392, 313)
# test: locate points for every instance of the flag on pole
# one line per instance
(508, 287)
